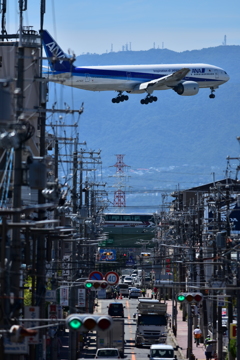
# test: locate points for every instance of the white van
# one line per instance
(162, 352)
(123, 289)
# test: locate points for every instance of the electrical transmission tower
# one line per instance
(119, 194)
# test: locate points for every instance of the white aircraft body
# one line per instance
(184, 79)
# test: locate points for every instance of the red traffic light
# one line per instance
(198, 297)
(104, 323)
(193, 297)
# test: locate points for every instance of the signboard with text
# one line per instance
(32, 312)
(15, 348)
(81, 297)
(64, 292)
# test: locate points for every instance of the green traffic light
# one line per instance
(88, 285)
(75, 324)
(181, 298)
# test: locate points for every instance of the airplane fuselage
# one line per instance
(129, 77)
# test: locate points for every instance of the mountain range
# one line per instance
(177, 142)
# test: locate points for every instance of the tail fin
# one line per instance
(52, 49)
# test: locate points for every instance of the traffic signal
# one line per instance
(190, 298)
(88, 322)
(95, 284)
(181, 297)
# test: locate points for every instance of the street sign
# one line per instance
(95, 275)
(112, 277)
(32, 312)
(50, 295)
(15, 348)
(64, 295)
(81, 297)
(221, 300)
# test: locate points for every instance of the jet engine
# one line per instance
(187, 88)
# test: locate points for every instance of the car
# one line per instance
(135, 293)
(162, 352)
(116, 309)
(131, 287)
(112, 353)
(134, 275)
(123, 289)
(128, 280)
(137, 281)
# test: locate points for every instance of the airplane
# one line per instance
(184, 79)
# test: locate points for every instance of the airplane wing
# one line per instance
(168, 80)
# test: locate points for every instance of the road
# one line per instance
(131, 352)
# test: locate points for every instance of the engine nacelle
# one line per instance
(187, 88)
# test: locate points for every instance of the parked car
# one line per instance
(135, 293)
(112, 353)
(116, 309)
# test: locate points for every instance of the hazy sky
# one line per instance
(96, 26)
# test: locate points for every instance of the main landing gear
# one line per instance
(120, 98)
(212, 96)
(148, 99)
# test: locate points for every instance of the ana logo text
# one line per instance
(54, 48)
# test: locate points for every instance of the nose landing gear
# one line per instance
(148, 99)
(120, 98)
(212, 96)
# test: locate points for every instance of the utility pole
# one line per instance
(41, 239)
(72, 300)
(17, 178)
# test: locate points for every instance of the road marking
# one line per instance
(133, 356)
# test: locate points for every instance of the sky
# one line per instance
(96, 26)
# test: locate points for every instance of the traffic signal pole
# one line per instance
(189, 299)
(190, 331)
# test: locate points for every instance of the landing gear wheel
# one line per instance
(120, 98)
(148, 99)
(211, 96)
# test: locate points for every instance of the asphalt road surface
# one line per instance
(131, 352)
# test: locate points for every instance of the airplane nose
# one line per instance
(227, 77)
